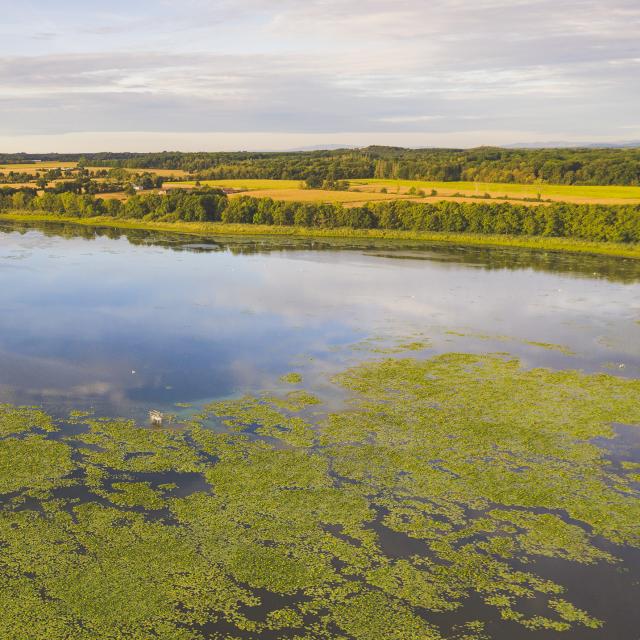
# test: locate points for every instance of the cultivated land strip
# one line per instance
(369, 189)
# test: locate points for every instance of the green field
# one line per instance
(546, 190)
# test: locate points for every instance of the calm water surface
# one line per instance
(122, 323)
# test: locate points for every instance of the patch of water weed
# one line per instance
(291, 378)
(383, 345)
(484, 465)
(549, 346)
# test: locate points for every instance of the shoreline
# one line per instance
(213, 229)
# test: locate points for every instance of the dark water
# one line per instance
(122, 323)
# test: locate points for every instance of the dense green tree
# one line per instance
(618, 223)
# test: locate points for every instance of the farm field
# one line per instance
(16, 185)
(369, 189)
(291, 191)
(570, 193)
(352, 198)
(115, 195)
(365, 190)
(34, 167)
(31, 185)
(347, 198)
(288, 191)
(242, 183)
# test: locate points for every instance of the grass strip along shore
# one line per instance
(603, 229)
(216, 229)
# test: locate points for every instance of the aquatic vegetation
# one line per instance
(291, 378)
(32, 464)
(416, 345)
(382, 346)
(121, 445)
(549, 346)
(442, 479)
(294, 400)
(133, 494)
(15, 420)
(265, 416)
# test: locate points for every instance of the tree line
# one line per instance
(202, 206)
(586, 166)
(613, 223)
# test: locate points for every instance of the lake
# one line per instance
(123, 323)
(120, 323)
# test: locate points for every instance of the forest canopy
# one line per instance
(612, 223)
(579, 166)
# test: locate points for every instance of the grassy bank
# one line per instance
(218, 229)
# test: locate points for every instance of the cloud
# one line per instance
(535, 66)
(44, 35)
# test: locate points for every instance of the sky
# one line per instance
(151, 75)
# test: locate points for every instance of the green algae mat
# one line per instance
(440, 482)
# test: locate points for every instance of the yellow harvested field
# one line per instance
(371, 189)
(286, 190)
(29, 185)
(353, 198)
(316, 195)
(17, 185)
(292, 191)
(242, 183)
(116, 195)
(444, 198)
(34, 167)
